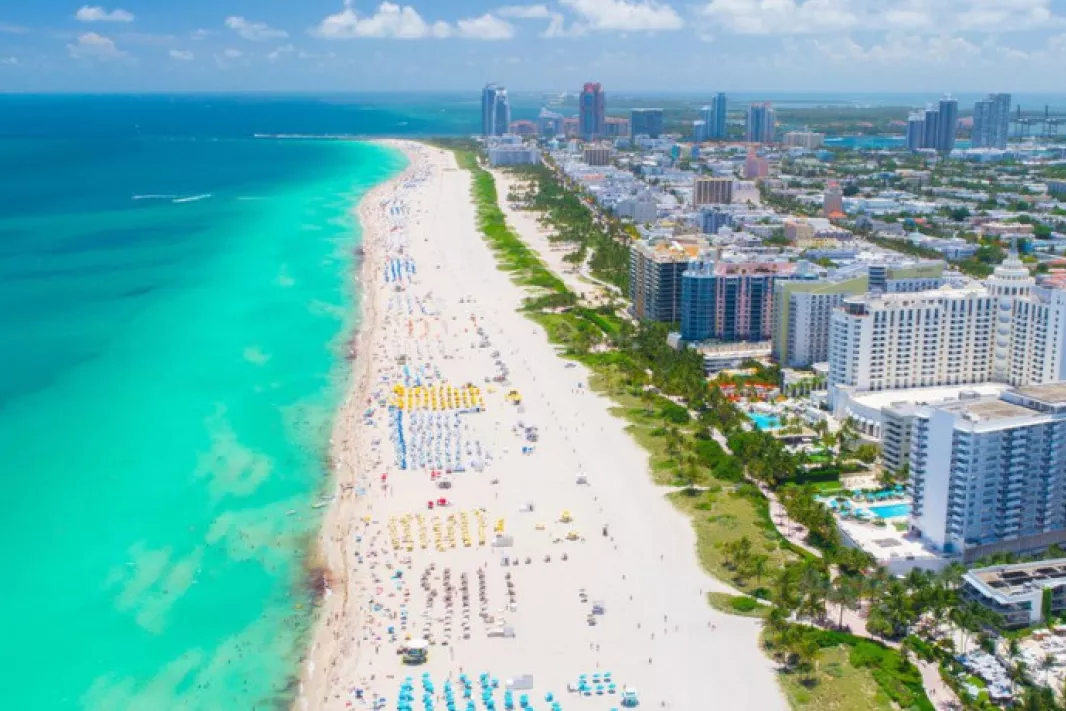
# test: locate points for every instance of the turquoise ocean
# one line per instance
(175, 301)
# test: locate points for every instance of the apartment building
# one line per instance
(655, 269)
(988, 475)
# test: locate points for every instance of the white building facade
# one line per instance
(988, 475)
(1006, 330)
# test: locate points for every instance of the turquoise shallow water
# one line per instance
(168, 369)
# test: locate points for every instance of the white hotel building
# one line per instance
(1006, 330)
(988, 475)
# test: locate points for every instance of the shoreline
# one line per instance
(327, 560)
(440, 325)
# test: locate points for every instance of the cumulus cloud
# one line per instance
(796, 17)
(95, 13)
(393, 21)
(556, 22)
(486, 27)
(254, 31)
(181, 55)
(625, 15)
(93, 46)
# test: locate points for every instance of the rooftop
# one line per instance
(1009, 580)
(924, 396)
(1050, 393)
(987, 409)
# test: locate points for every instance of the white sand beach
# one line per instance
(438, 314)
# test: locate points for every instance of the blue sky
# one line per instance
(729, 45)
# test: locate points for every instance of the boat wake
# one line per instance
(154, 197)
(192, 198)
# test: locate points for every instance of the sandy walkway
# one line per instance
(446, 316)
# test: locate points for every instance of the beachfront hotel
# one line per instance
(655, 269)
(988, 474)
(1006, 330)
(726, 300)
(803, 307)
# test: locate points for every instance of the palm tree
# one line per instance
(844, 592)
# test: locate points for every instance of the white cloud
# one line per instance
(556, 22)
(10, 61)
(390, 20)
(281, 51)
(232, 53)
(786, 17)
(393, 21)
(93, 46)
(796, 17)
(526, 12)
(181, 55)
(625, 15)
(95, 13)
(200, 34)
(486, 27)
(254, 31)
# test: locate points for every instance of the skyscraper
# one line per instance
(991, 120)
(495, 110)
(915, 131)
(929, 128)
(592, 109)
(713, 116)
(646, 122)
(760, 123)
(947, 125)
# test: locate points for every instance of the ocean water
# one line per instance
(174, 308)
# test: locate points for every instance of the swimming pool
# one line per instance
(764, 421)
(890, 510)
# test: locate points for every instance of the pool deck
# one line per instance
(888, 545)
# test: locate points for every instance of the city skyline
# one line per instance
(332, 45)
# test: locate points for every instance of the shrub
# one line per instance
(674, 413)
(743, 603)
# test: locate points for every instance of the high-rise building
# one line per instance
(1005, 330)
(833, 200)
(991, 121)
(646, 122)
(550, 123)
(947, 125)
(655, 270)
(719, 130)
(988, 475)
(592, 112)
(712, 191)
(761, 123)
(495, 111)
(713, 116)
(916, 131)
(729, 301)
(699, 131)
(930, 127)
(803, 307)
